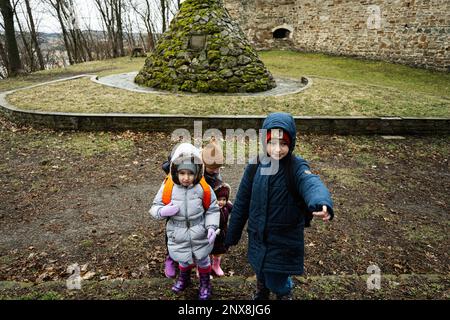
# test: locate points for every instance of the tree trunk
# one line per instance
(85, 45)
(15, 65)
(28, 48)
(118, 9)
(151, 41)
(107, 12)
(142, 40)
(57, 6)
(4, 58)
(163, 14)
(34, 36)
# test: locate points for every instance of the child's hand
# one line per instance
(322, 214)
(169, 210)
(211, 235)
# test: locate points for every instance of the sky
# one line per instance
(87, 13)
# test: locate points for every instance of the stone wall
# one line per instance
(169, 123)
(413, 32)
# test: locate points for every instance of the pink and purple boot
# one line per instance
(205, 289)
(184, 279)
(170, 267)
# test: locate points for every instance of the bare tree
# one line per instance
(14, 62)
(74, 40)
(33, 34)
(57, 6)
(25, 50)
(70, 16)
(163, 9)
(146, 16)
(118, 7)
(4, 66)
(111, 13)
(129, 28)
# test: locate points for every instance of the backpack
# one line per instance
(168, 187)
(289, 175)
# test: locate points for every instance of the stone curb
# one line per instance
(168, 122)
(300, 85)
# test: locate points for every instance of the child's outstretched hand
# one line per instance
(169, 210)
(322, 214)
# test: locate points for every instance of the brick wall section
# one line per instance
(412, 32)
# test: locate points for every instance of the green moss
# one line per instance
(187, 85)
(233, 89)
(202, 76)
(139, 79)
(202, 86)
(234, 80)
(226, 73)
(87, 243)
(214, 43)
(50, 295)
(218, 84)
(250, 87)
(213, 55)
(172, 53)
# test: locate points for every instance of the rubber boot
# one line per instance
(184, 279)
(170, 267)
(216, 266)
(205, 289)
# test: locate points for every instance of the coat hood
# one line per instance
(186, 153)
(223, 191)
(282, 120)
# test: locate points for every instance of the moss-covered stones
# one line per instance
(205, 51)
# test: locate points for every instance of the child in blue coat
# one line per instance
(276, 197)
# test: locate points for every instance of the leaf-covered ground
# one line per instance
(71, 197)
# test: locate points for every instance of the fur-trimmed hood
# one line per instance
(186, 152)
(224, 190)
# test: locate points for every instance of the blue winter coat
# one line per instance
(275, 225)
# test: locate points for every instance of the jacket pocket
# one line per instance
(198, 232)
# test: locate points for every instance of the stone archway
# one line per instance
(284, 31)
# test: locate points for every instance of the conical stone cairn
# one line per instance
(205, 51)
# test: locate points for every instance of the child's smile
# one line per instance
(221, 202)
(277, 149)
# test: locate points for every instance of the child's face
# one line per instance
(222, 201)
(186, 177)
(277, 149)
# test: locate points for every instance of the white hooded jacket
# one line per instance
(187, 230)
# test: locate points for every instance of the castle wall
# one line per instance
(413, 32)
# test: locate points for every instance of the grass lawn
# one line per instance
(341, 86)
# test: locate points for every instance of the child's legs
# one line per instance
(204, 263)
(279, 283)
(185, 265)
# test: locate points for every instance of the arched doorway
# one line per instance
(281, 33)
